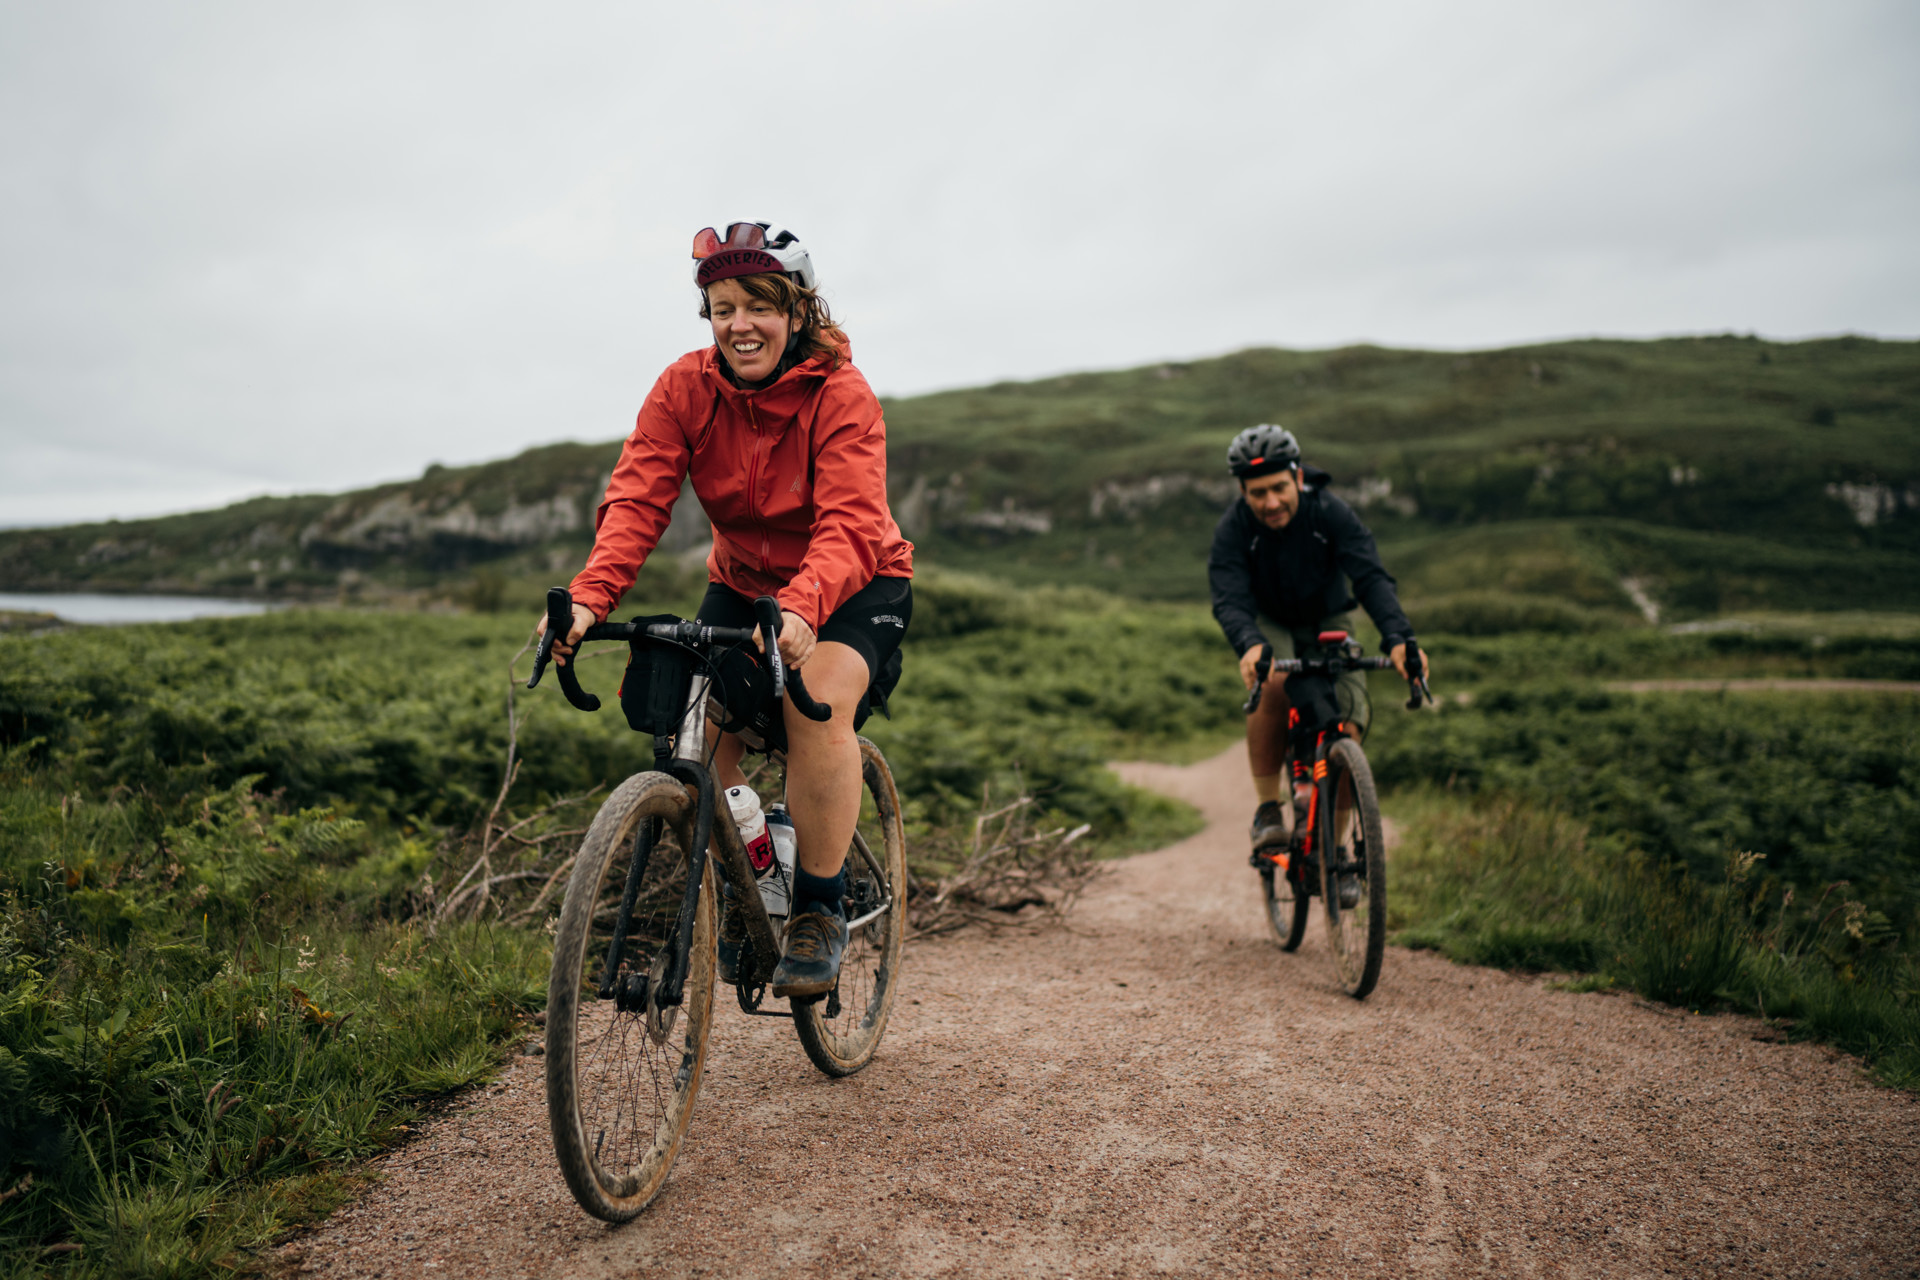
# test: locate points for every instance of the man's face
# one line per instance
(1273, 498)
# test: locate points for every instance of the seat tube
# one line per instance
(690, 743)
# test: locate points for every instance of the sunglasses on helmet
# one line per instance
(740, 235)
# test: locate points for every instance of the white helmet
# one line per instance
(749, 249)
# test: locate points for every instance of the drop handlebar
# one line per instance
(689, 635)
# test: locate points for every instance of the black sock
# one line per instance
(822, 893)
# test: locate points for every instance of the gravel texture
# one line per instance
(1153, 1088)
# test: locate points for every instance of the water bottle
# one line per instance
(753, 829)
(780, 825)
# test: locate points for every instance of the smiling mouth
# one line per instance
(749, 348)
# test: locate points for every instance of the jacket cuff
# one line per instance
(595, 598)
(805, 604)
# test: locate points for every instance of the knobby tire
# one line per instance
(840, 1031)
(1286, 907)
(621, 1084)
(1351, 836)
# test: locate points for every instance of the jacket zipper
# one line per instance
(753, 489)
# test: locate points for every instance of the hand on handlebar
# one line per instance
(1399, 656)
(1415, 666)
(1248, 661)
(563, 648)
(796, 640)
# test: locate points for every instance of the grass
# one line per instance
(217, 994)
(1501, 882)
(217, 991)
(1752, 851)
(1825, 789)
(201, 1026)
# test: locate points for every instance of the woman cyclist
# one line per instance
(788, 454)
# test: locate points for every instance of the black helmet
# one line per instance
(1262, 450)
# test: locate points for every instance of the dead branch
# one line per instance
(1009, 875)
(539, 899)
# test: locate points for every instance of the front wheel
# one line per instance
(1353, 869)
(622, 1073)
(1286, 907)
(841, 1030)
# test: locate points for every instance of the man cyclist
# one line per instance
(1288, 550)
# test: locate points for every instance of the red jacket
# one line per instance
(793, 477)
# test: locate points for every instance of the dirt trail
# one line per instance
(1154, 1088)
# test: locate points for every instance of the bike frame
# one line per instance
(690, 763)
(1346, 659)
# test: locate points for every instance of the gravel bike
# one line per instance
(630, 998)
(1339, 853)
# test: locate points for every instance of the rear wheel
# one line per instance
(621, 1082)
(841, 1030)
(1353, 869)
(1286, 907)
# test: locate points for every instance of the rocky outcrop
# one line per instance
(1872, 503)
(1377, 491)
(1130, 499)
(924, 508)
(399, 524)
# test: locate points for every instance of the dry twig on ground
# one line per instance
(1007, 874)
(531, 851)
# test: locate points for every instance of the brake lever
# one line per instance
(767, 611)
(791, 687)
(1418, 686)
(559, 622)
(1261, 670)
(1416, 678)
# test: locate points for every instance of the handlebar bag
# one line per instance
(744, 690)
(653, 692)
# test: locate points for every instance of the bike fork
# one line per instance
(689, 766)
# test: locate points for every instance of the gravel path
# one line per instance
(1153, 1088)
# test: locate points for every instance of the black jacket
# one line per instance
(1298, 575)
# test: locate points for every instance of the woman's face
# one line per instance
(752, 334)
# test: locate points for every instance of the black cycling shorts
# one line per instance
(871, 622)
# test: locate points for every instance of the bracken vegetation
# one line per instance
(226, 846)
(1751, 850)
(270, 887)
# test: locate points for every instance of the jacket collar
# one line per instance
(784, 395)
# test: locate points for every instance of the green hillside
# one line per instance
(1576, 483)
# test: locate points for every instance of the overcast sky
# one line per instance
(251, 248)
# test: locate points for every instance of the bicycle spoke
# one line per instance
(620, 1093)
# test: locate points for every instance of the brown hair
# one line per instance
(819, 335)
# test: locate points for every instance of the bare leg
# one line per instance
(1267, 728)
(726, 758)
(823, 760)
